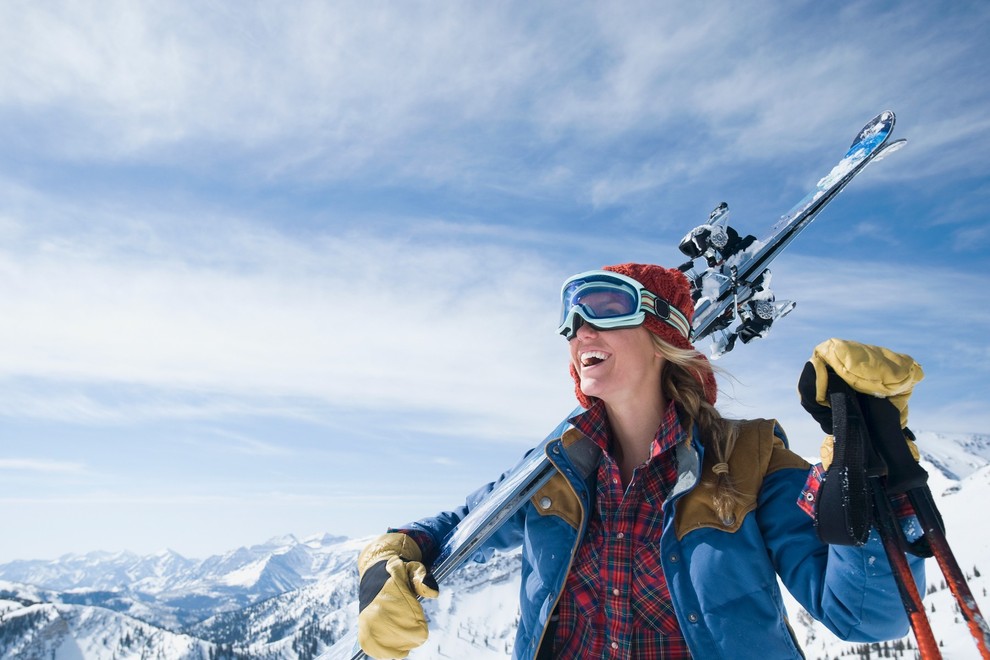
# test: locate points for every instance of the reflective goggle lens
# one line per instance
(601, 301)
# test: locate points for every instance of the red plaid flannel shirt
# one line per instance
(615, 602)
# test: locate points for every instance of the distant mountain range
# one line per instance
(290, 598)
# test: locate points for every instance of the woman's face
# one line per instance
(616, 365)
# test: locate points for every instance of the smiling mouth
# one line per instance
(591, 358)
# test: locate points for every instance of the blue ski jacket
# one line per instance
(722, 577)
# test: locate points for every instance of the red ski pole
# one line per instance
(893, 543)
(924, 507)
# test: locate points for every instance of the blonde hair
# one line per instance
(681, 381)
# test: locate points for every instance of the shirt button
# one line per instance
(693, 617)
(674, 558)
(620, 535)
(615, 645)
(615, 592)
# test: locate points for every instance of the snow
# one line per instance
(956, 455)
(844, 167)
(71, 632)
(246, 576)
(476, 616)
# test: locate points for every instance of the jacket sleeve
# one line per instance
(849, 589)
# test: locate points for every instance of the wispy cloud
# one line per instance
(252, 446)
(40, 465)
(357, 321)
(398, 92)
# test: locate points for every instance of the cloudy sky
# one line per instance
(293, 267)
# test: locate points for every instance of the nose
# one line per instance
(585, 329)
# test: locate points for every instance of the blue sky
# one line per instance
(293, 267)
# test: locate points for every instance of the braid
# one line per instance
(682, 382)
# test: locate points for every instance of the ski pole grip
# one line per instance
(889, 440)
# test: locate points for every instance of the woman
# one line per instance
(671, 546)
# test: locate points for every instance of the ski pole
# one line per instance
(904, 475)
(924, 507)
(893, 544)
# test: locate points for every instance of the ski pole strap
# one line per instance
(842, 516)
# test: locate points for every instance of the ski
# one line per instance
(735, 282)
(507, 497)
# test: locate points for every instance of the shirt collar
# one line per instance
(593, 423)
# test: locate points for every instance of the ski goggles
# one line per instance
(607, 301)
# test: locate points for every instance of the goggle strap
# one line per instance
(673, 318)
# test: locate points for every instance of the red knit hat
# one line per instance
(671, 285)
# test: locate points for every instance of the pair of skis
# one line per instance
(733, 285)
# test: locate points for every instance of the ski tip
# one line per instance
(876, 130)
(874, 134)
(887, 118)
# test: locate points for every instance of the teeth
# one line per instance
(592, 357)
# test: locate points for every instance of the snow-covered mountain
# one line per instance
(290, 599)
(955, 455)
(281, 599)
(273, 567)
(71, 632)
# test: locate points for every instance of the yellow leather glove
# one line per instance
(869, 369)
(391, 621)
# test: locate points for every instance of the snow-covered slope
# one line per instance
(278, 599)
(955, 455)
(71, 632)
(296, 623)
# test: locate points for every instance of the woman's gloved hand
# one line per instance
(391, 621)
(872, 370)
